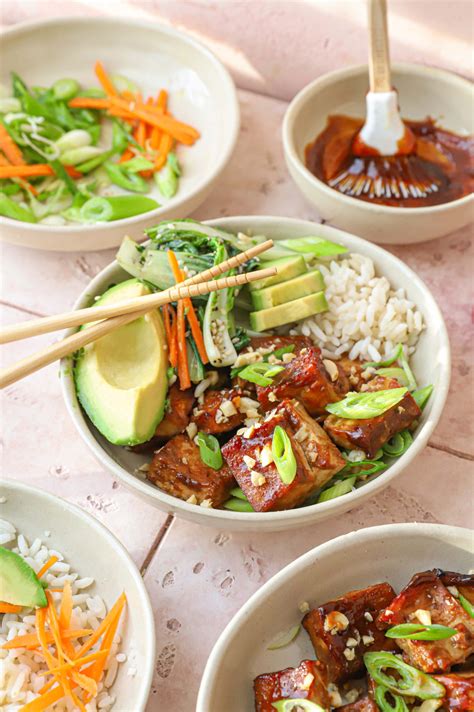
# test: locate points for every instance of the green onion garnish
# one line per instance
(260, 373)
(343, 487)
(316, 245)
(369, 404)
(116, 207)
(385, 705)
(398, 355)
(411, 683)
(10, 209)
(394, 372)
(237, 492)
(285, 639)
(399, 444)
(283, 455)
(416, 631)
(235, 504)
(367, 467)
(422, 395)
(467, 605)
(297, 704)
(278, 353)
(210, 450)
(125, 179)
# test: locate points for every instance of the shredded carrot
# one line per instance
(9, 148)
(114, 612)
(104, 79)
(38, 169)
(47, 566)
(9, 608)
(31, 639)
(155, 136)
(190, 312)
(98, 655)
(183, 366)
(166, 144)
(44, 701)
(98, 667)
(169, 315)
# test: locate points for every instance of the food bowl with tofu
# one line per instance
(275, 406)
(378, 619)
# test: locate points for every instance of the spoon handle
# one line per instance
(379, 59)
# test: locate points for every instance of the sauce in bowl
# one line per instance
(442, 157)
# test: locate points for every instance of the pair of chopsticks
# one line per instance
(116, 315)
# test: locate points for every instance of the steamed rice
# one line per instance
(366, 318)
(22, 671)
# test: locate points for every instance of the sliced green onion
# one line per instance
(388, 362)
(167, 179)
(62, 173)
(316, 245)
(14, 211)
(92, 93)
(285, 639)
(75, 156)
(95, 162)
(278, 353)
(122, 83)
(399, 444)
(237, 492)
(238, 505)
(422, 396)
(367, 467)
(283, 455)
(385, 705)
(343, 487)
(297, 704)
(10, 188)
(260, 373)
(65, 89)
(411, 381)
(116, 207)
(9, 104)
(412, 682)
(415, 631)
(394, 372)
(369, 404)
(398, 355)
(129, 181)
(210, 450)
(467, 605)
(77, 138)
(137, 164)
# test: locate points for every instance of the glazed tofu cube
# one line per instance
(458, 584)
(354, 371)
(321, 453)
(177, 469)
(365, 704)
(219, 411)
(427, 600)
(312, 380)
(343, 630)
(249, 458)
(177, 415)
(307, 682)
(459, 691)
(370, 434)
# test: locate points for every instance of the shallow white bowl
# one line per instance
(202, 93)
(423, 91)
(431, 364)
(92, 550)
(392, 553)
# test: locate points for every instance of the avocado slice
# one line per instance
(287, 268)
(18, 582)
(295, 288)
(121, 379)
(288, 312)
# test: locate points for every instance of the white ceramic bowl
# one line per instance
(202, 93)
(423, 91)
(431, 363)
(392, 553)
(92, 551)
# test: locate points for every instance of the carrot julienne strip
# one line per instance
(104, 79)
(114, 612)
(9, 608)
(38, 169)
(31, 639)
(44, 701)
(169, 318)
(51, 561)
(9, 148)
(183, 366)
(79, 662)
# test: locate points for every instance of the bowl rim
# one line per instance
(101, 531)
(361, 536)
(307, 92)
(227, 85)
(219, 517)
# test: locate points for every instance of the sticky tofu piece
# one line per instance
(306, 378)
(426, 592)
(370, 434)
(464, 583)
(321, 453)
(177, 469)
(178, 413)
(307, 682)
(353, 371)
(459, 691)
(219, 412)
(344, 629)
(365, 704)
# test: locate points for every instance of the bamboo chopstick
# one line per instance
(72, 343)
(78, 317)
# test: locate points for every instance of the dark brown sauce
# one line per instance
(442, 158)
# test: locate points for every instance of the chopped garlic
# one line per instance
(336, 622)
(206, 503)
(368, 617)
(349, 654)
(192, 430)
(257, 478)
(249, 432)
(368, 639)
(286, 358)
(272, 397)
(192, 499)
(423, 616)
(247, 358)
(228, 408)
(351, 643)
(249, 461)
(304, 607)
(266, 456)
(334, 695)
(332, 369)
(308, 681)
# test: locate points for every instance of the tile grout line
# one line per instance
(156, 544)
(451, 451)
(21, 308)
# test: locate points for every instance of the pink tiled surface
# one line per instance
(197, 578)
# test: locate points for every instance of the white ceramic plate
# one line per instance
(423, 91)
(153, 56)
(390, 553)
(431, 364)
(92, 550)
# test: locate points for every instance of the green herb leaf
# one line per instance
(369, 404)
(283, 455)
(210, 450)
(415, 631)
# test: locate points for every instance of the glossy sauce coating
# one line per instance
(441, 156)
